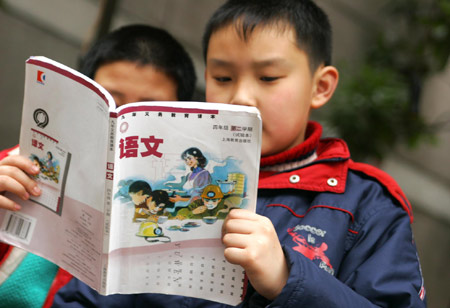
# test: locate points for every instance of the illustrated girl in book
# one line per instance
(51, 168)
(49, 161)
(196, 180)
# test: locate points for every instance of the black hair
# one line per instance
(144, 45)
(310, 23)
(202, 161)
(137, 186)
(161, 196)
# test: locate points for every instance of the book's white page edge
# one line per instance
(191, 104)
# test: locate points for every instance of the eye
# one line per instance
(222, 79)
(268, 78)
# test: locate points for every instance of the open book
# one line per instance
(133, 198)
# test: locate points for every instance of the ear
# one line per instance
(325, 82)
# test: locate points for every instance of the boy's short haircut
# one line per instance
(310, 23)
(144, 45)
(161, 196)
(137, 186)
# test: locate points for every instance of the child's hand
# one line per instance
(251, 241)
(14, 178)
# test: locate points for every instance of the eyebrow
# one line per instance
(276, 61)
(218, 62)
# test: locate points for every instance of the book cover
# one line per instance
(134, 197)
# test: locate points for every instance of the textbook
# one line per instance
(133, 198)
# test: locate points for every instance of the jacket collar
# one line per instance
(315, 165)
(301, 151)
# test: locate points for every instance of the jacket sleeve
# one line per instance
(4, 153)
(380, 269)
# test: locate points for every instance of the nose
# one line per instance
(243, 94)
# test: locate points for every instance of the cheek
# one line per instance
(210, 96)
(290, 102)
(215, 94)
(209, 88)
(284, 116)
(277, 107)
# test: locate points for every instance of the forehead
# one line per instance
(138, 193)
(263, 46)
(248, 32)
(132, 79)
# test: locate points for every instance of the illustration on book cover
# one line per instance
(185, 188)
(201, 192)
(53, 162)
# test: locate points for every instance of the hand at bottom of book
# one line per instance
(251, 241)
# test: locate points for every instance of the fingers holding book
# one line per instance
(16, 177)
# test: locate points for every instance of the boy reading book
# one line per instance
(328, 232)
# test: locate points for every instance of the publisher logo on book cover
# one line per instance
(40, 78)
(40, 117)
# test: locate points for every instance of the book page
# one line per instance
(64, 131)
(180, 168)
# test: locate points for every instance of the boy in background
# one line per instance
(134, 63)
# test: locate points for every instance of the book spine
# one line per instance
(110, 168)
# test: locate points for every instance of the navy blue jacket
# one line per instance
(345, 229)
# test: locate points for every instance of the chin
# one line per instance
(269, 147)
(267, 152)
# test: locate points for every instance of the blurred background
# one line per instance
(392, 105)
